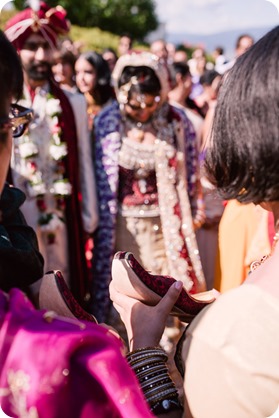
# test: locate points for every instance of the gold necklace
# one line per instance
(255, 264)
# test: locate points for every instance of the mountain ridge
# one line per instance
(225, 39)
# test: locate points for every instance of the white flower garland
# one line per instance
(48, 221)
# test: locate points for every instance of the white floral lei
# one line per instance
(49, 221)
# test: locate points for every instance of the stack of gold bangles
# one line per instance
(149, 365)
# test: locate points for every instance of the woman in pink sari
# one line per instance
(50, 366)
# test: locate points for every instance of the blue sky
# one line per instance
(212, 16)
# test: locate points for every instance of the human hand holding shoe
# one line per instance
(144, 324)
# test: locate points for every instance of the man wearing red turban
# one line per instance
(41, 19)
(52, 161)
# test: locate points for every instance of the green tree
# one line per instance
(136, 17)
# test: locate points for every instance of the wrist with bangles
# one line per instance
(149, 365)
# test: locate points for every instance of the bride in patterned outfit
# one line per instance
(147, 180)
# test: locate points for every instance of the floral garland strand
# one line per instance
(49, 221)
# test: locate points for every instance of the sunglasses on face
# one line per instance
(18, 120)
(141, 104)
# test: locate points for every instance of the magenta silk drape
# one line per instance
(54, 367)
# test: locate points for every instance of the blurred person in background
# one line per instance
(110, 56)
(207, 236)
(159, 48)
(210, 81)
(73, 46)
(180, 55)
(197, 65)
(125, 44)
(180, 93)
(93, 80)
(228, 356)
(171, 51)
(243, 43)
(219, 59)
(64, 70)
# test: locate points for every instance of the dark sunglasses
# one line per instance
(142, 105)
(18, 120)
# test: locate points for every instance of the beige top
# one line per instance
(232, 356)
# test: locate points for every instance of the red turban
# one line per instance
(48, 22)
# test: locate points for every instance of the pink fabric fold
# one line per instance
(54, 367)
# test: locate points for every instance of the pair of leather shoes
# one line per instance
(130, 279)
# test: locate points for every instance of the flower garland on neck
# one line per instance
(50, 220)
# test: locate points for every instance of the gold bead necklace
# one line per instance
(255, 264)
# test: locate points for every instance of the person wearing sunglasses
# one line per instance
(21, 264)
(50, 366)
(143, 147)
(19, 119)
(51, 162)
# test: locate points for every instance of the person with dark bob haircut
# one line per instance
(229, 354)
(243, 158)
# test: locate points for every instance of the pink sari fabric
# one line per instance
(53, 367)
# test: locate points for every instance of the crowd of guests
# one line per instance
(130, 166)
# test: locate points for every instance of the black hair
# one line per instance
(11, 75)
(127, 35)
(242, 159)
(148, 82)
(103, 90)
(110, 50)
(66, 57)
(180, 68)
(183, 69)
(219, 49)
(11, 79)
(208, 77)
